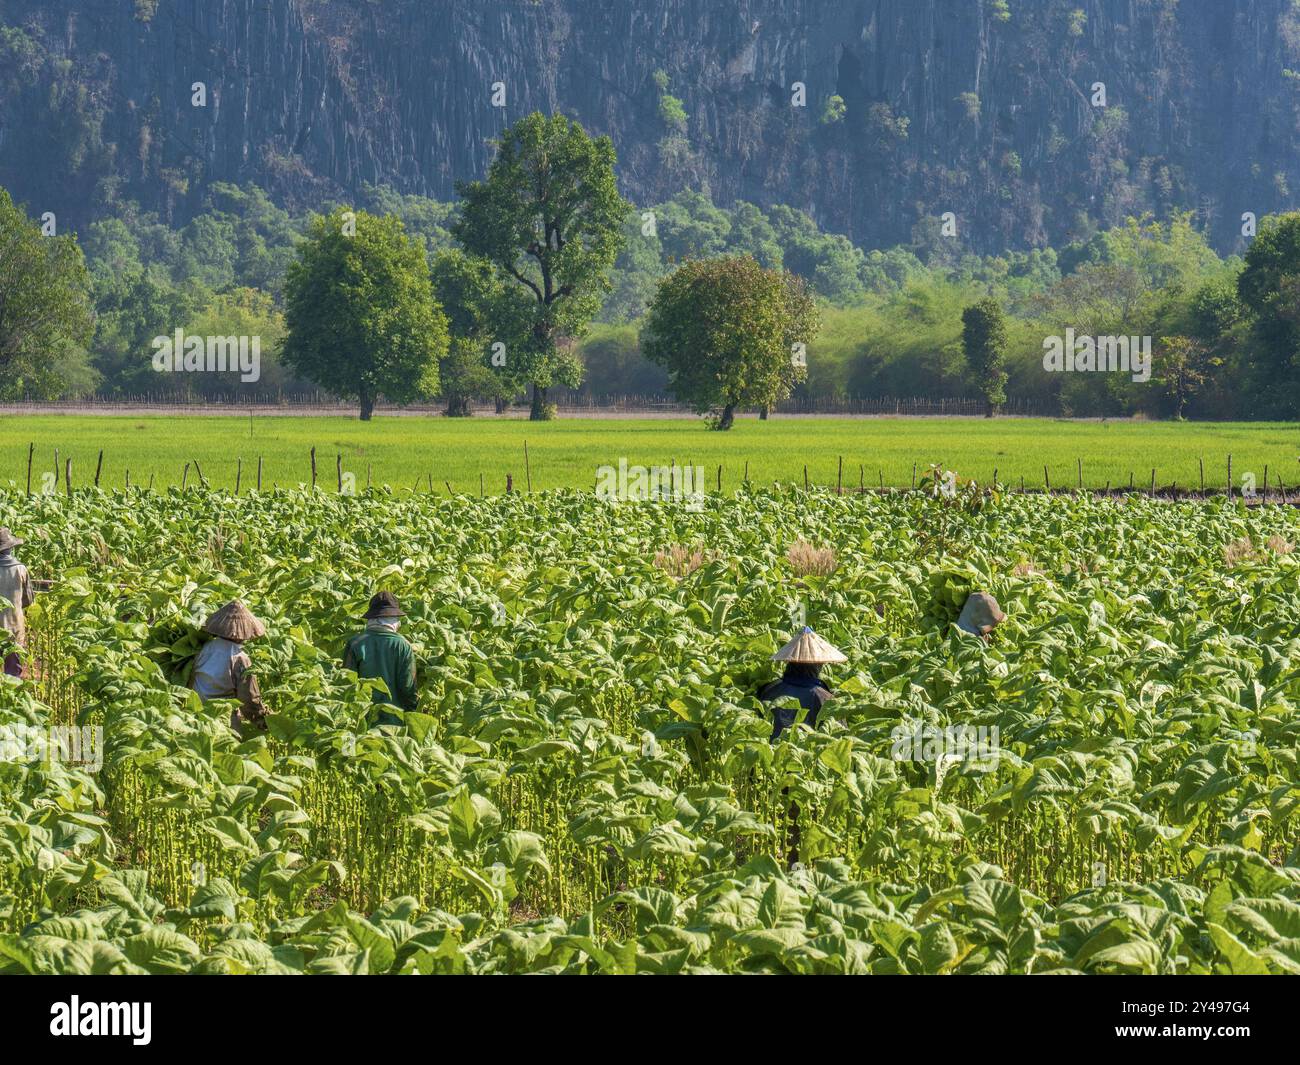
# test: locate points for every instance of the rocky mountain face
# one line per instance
(990, 109)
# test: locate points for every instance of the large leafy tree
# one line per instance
(46, 316)
(730, 334)
(550, 219)
(360, 313)
(984, 342)
(479, 307)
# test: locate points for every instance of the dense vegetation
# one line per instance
(891, 321)
(588, 784)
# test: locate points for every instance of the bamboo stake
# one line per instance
(1229, 477)
(480, 485)
(199, 470)
(259, 473)
(805, 476)
(67, 476)
(56, 467)
(448, 484)
(313, 467)
(1047, 481)
(368, 476)
(1202, 464)
(1153, 482)
(128, 478)
(862, 482)
(839, 478)
(99, 465)
(31, 449)
(185, 476)
(338, 469)
(239, 473)
(719, 478)
(150, 488)
(1266, 482)
(1079, 463)
(747, 471)
(914, 475)
(510, 484)
(528, 469)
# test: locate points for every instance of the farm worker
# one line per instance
(223, 670)
(381, 652)
(981, 615)
(16, 587)
(804, 657)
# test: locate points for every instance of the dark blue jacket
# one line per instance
(799, 682)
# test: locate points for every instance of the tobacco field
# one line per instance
(588, 785)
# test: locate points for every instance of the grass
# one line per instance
(566, 453)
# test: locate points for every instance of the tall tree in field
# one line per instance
(550, 219)
(730, 334)
(45, 306)
(984, 341)
(360, 314)
(479, 308)
(1182, 366)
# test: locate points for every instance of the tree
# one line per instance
(360, 313)
(729, 333)
(45, 307)
(479, 307)
(1182, 366)
(984, 342)
(1269, 286)
(550, 219)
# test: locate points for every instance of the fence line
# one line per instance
(236, 402)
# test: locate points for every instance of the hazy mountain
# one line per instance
(984, 108)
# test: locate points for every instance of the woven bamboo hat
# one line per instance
(980, 614)
(234, 621)
(7, 539)
(809, 649)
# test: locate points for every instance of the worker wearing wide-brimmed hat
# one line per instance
(383, 653)
(804, 657)
(16, 589)
(980, 615)
(223, 669)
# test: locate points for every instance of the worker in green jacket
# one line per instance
(381, 652)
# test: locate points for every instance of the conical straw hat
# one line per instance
(234, 621)
(980, 614)
(809, 649)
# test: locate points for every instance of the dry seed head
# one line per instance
(679, 560)
(808, 560)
